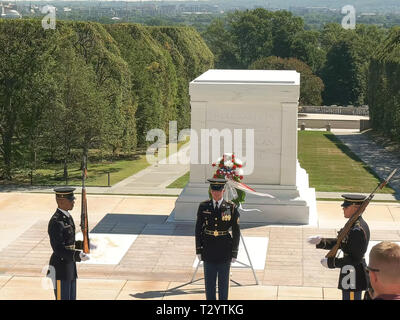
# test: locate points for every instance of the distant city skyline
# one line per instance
(362, 7)
(7, 1)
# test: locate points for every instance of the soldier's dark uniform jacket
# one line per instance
(61, 230)
(354, 246)
(213, 240)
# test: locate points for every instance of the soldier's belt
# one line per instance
(71, 247)
(215, 233)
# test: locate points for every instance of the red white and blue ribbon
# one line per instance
(231, 168)
(247, 189)
(231, 192)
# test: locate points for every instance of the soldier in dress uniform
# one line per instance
(353, 277)
(66, 251)
(214, 244)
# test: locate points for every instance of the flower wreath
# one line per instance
(230, 168)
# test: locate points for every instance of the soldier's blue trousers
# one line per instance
(212, 271)
(65, 290)
(348, 295)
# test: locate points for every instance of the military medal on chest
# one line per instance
(226, 214)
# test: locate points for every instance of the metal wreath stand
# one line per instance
(243, 264)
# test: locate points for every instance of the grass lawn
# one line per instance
(331, 166)
(52, 175)
(97, 172)
(180, 182)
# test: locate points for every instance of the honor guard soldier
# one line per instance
(214, 244)
(353, 277)
(66, 251)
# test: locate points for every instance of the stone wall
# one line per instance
(360, 111)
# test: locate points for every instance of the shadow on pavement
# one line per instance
(144, 224)
(169, 292)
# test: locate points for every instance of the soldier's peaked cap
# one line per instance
(217, 183)
(65, 192)
(350, 199)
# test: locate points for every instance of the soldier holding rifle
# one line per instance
(353, 277)
(66, 250)
(353, 240)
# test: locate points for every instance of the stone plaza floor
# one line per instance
(158, 259)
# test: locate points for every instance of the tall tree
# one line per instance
(24, 58)
(285, 26)
(252, 34)
(310, 85)
(245, 36)
(306, 47)
(348, 58)
(331, 33)
(221, 43)
(342, 74)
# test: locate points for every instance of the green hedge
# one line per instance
(191, 57)
(101, 86)
(162, 61)
(384, 86)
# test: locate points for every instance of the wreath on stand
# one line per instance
(230, 168)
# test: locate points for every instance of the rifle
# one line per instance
(342, 234)
(84, 214)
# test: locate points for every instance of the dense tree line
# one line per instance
(85, 85)
(311, 85)
(384, 86)
(338, 57)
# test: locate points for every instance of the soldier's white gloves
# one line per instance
(233, 260)
(199, 257)
(83, 256)
(324, 262)
(314, 240)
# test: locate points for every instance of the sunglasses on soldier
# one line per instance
(372, 269)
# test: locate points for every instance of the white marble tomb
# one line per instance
(264, 102)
